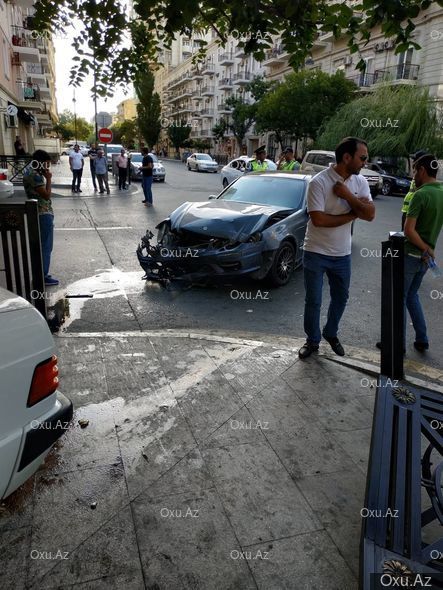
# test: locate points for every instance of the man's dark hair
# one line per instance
(145, 150)
(348, 145)
(429, 163)
(41, 156)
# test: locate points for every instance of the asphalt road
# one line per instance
(94, 254)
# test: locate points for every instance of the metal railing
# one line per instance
(15, 166)
(403, 71)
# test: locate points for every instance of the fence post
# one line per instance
(392, 306)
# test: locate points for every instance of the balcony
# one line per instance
(207, 91)
(196, 74)
(363, 80)
(224, 109)
(225, 84)
(185, 108)
(29, 95)
(205, 133)
(275, 56)
(242, 78)
(208, 67)
(399, 74)
(37, 73)
(208, 113)
(196, 95)
(239, 51)
(226, 59)
(25, 46)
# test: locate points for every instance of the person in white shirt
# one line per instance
(76, 163)
(122, 165)
(336, 197)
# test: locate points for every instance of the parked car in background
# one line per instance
(395, 181)
(317, 160)
(68, 147)
(6, 186)
(237, 168)
(34, 414)
(158, 172)
(201, 163)
(112, 148)
(255, 227)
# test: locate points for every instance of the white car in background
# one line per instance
(158, 171)
(202, 163)
(237, 168)
(34, 414)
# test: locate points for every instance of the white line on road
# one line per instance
(91, 228)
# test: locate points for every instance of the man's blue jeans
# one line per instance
(46, 239)
(415, 270)
(147, 188)
(338, 271)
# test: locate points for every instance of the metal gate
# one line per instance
(20, 255)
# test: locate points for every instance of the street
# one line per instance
(94, 254)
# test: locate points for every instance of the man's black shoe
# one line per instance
(335, 345)
(307, 349)
(421, 346)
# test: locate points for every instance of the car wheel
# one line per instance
(225, 182)
(283, 265)
(197, 169)
(189, 167)
(386, 188)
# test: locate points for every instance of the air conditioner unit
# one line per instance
(348, 60)
(389, 44)
(11, 121)
(379, 47)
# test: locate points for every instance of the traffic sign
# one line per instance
(12, 110)
(104, 119)
(105, 135)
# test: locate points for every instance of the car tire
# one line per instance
(197, 169)
(189, 167)
(386, 188)
(225, 182)
(283, 264)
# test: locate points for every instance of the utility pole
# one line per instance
(95, 99)
(75, 119)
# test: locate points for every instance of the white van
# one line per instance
(34, 414)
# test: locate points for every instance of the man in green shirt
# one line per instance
(37, 184)
(424, 221)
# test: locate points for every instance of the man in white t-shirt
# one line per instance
(76, 163)
(336, 197)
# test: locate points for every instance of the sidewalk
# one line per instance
(208, 463)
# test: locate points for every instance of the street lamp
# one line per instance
(95, 99)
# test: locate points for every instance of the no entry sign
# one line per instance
(105, 135)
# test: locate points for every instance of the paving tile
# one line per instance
(266, 503)
(337, 500)
(304, 562)
(111, 551)
(356, 443)
(191, 551)
(209, 404)
(14, 551)
(63, 517)
(241, 428)
(16, 509)
(296, 436)
(131, 582)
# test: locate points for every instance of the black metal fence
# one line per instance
(21, 264)
(15, 166)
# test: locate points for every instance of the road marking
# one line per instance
(91, 228)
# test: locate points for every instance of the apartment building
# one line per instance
(126, 110)
(196, 93)
(27, 79)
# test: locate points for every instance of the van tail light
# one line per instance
(44, 381)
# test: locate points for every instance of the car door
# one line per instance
(235, 170)
(193, 161)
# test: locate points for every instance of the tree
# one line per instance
(101, 45)
(241, 118)
(126, 133)
(394, 120)
(71, 127)
(178, 134)
(148, 107)
(219, 130)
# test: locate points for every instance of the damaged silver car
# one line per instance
(255, 227)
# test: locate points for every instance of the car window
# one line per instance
(136, 158)
(324, 159)
(203, 157)
(267, 190)
(310, 158)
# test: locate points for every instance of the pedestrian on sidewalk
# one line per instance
(37, 184)
(101, 171)
(147, 167)
(122, 165)
(18, 146)
(424, 221)
(76, 163)
(336, 197)
(92, 157)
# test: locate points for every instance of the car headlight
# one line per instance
(255, 237)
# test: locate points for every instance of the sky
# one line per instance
(84, 105)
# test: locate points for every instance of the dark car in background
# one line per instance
(254, 227)
(395, 180)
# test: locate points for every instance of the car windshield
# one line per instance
(136, 157)
(203, 157)
(114, 149)
(267, 190)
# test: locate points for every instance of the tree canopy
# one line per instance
(148, 107)
(394, 120)
(102, 45)
(71, 127)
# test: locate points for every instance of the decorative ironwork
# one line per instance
(10, 220)
(397, 568)
(404, 395)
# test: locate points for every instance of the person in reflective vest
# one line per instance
(287, 161)
(259, 164)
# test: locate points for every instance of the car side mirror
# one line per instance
(212, 197)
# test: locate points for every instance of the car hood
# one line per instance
(11, 302)
(223, 219)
